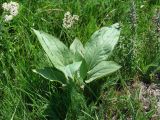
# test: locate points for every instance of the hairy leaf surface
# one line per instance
(102, 69)
(101, 44)
(71, 69)
(57, 52)
(77, 49)
(51, 74)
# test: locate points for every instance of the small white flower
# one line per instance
(8, 18)
(69, 20)
(14, 12)
(13, 8)
(67, 14)
(5, 6)
(76, 17)
(14, 4)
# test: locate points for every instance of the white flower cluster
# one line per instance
(12, 9)
(69, 20)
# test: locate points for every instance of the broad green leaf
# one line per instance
(83, 69)
(51, 74)
(101, 44)
(77, 49)
(57, 52)
(102, 69)
(71, 70)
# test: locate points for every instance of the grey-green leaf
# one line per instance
(102, 69)
(77, 49)
(57, 52)
(71, 69)
(51, 74)
(101, 44)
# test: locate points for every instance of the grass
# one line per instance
(26, 96)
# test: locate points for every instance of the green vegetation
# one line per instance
(25, 95)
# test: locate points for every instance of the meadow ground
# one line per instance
(25, 95)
